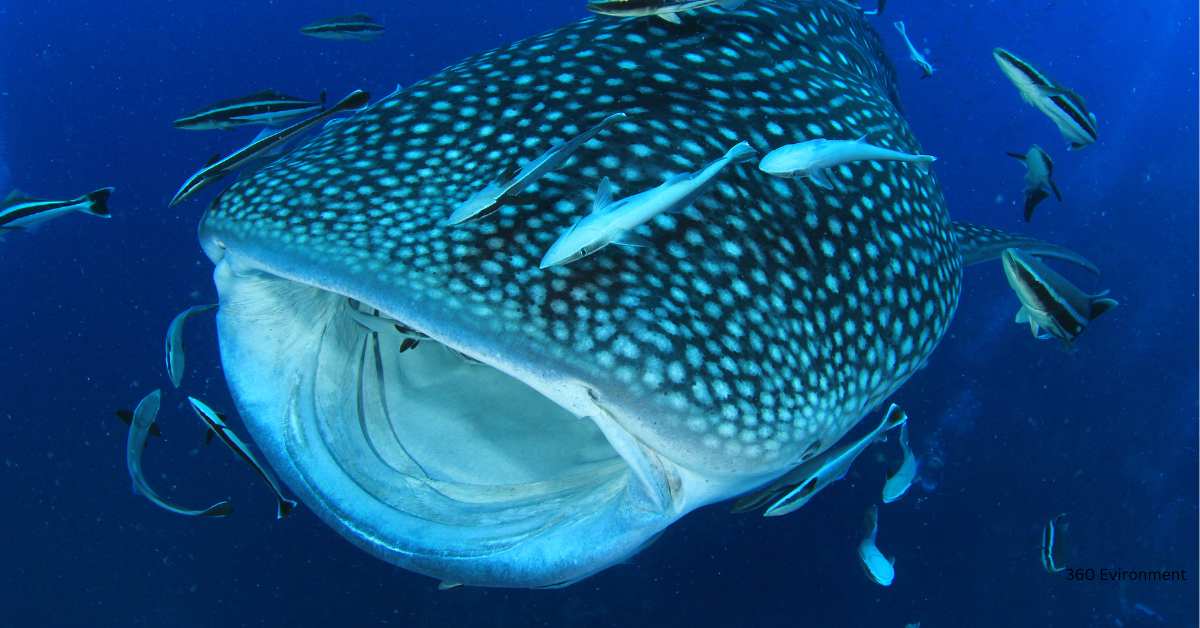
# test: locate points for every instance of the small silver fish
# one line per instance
(668, 10)
(1048, 300)
(898, 483)
(219, 167)
(18, 212)
(613, 221)
(487, 199)
(879, 568)
(1064, 107)
(139, 430)
(813, 158)
(913, 53)
(173, 343)
(1052, 555)
(1039, 170)
(218, 427)
(792, 491)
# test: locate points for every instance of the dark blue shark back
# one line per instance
(776, 322)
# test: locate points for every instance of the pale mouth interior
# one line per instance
(412, 447)
(408, 411)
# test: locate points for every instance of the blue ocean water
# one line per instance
(1012, 431)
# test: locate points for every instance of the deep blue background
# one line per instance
(1023, 429)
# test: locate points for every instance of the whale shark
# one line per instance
(499, 424)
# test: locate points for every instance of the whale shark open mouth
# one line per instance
(434, 454)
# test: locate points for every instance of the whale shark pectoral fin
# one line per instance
(983, 244)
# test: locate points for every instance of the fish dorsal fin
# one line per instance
(1017, 156)
(1099, 305)
(16, 195)
(510, 171)
(983, 244)
(265, 94)
(604, 195)
(1022, 315)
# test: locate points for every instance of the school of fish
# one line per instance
(505, 326)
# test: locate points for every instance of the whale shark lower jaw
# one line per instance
(443, 458)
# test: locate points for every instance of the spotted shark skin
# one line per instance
(731, 345)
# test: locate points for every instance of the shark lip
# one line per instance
(448, 458)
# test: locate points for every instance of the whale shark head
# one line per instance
(448, 406)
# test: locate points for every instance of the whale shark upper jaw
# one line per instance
(444, 458)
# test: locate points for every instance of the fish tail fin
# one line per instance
(923, 161)
(742, 151)
(96, 203)
(895, 416)
(1100, 305)
(1031, 201)
(899, 24)
(285, 507)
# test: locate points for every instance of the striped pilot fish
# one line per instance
(1049, 301)
(1039, 178)
(1064, 107)
(553, 421)
(19, 212)
(267, 107)
(357, 27)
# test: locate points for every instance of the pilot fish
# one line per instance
(263, 144)
(668, 10)
(913, 53)
(217, 426)
(897, 483)
(606, 398)
(356, 27)
(141, 426)
(1064, 107)
(815, 158)
(794, 490)
(266, 107)
(1048, 300)
(18, 212)
(613, 221)
(1052, 553)
(879, 568)
(173, 343)
(514, 180)
(1039, 181)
